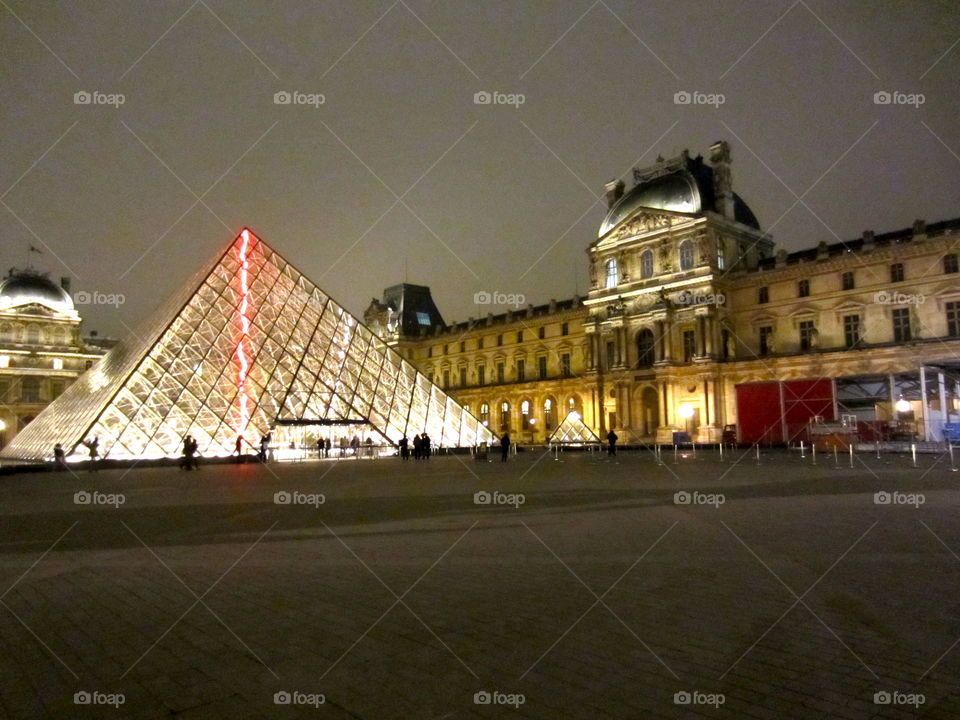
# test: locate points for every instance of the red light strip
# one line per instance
(244, 334)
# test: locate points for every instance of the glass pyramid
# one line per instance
(573, 431)
(247, 344)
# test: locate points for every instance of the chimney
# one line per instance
(868, 240)
(919, 230)
(722, 182)
(614, 192)
(65, 284)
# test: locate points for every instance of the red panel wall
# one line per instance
(759, 414)
(802, 400)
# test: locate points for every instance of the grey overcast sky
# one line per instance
(399, 174)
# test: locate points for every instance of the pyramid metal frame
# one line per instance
(247, 343)
(572, 430)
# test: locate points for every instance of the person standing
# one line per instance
(264, 446)
(504, 447)
(355, 445)
(59, 458)
(404, 448)
(194, 454)
(611, 443)
(326, 447)
(239, 448)
(425, 441)
(417, 446)
(93, 448)
(320, 448)
(186, 462)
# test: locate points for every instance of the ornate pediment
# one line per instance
(643, 221)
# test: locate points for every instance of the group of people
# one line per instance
(421, 447)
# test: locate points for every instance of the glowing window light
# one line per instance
(244, 334)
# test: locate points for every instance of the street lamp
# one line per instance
(902, 405)
(685, 411)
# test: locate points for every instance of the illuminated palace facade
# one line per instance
(694, 322)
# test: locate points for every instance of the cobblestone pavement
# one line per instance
(585, 588)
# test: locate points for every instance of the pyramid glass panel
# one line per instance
(246, 345)
(573, 431)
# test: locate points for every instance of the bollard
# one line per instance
(674, 454)
(878, 449)
(802, 452)
(953, 468)
(836, 461)
(851, 455)
(913, 452)
(721, 452)
(813, 446)
(758, 453)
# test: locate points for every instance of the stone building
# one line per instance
(41, 349)
(693, 322)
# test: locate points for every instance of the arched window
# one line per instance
(646, 264)
(645, 348)
(485, 414)
(548, 414)
(525, 420)
(504, 415)
(686, 255)
(610, 273)
(6, 332)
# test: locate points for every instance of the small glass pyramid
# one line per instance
(573, 431)
(245, 345)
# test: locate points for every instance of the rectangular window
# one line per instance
(446, 378)
(565, 363)
(463, 377)
(803, 288)
(846, 281)
(541, 332)
(521, 370)
(423, 318)
(806, 334)
(480, 343)
(4, 391)
(953, 319)
(689, 345)
(519, 336)
(851, 330)
(499, 340)
(481, 374)
(565, 329)
(446, 349)
(500, 373)
(58, 363)
(896, 272)
(901, 325)
(429, 352)
(430, 376)
(766, 332)
(56, 389)
(30, 390)
(721, 255)
(763, 295)
(542, 367)
(463, 346)
(950, 264)
(611, 354)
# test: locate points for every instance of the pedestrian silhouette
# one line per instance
(611, 443)
(504, 447)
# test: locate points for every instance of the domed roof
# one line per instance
(683, 185)
(24, 288)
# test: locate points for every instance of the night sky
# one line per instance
(399, 175)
